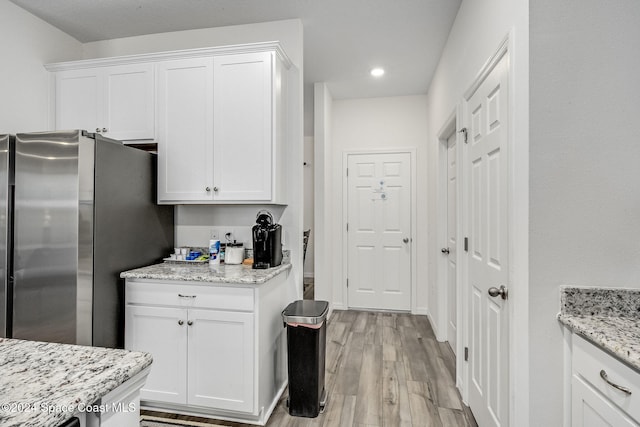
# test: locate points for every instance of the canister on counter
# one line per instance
(234, 253)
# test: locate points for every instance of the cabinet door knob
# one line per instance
(190, 322)
(208, 189)
(105, 130)
(98, 130)
(215, 188)
(180, 322)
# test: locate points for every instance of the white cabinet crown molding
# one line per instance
(272, 46)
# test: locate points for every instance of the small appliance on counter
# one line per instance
(267, 241)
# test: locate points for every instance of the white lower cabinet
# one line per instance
(220, 360)
(591, 409)
(218, 351)
(161, 331)
(595, 399)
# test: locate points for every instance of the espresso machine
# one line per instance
(267, 241)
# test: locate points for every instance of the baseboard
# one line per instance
(439, 337)
(422, 311)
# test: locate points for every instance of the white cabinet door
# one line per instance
(592, 409)
(129, 102)
(79, 99)
(162, 332)
(243, 126)
(185, 130)
(117, 101)
(221, 360)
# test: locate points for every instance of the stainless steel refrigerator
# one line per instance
(76, 209)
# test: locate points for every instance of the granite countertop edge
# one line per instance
(61, 376)
(223, 274)
(618, 336)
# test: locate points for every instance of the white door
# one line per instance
(221, 360)
(243, 129)
(487, 172)
(379, 231)
(452, 241)
(161, 331)
(185, 130)
(130, 104)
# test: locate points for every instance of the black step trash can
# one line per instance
(306, 343)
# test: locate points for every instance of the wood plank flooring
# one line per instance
(382, 369)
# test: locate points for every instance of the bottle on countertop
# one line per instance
(214, 252)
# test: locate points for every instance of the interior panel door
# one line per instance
(379, 231)
(486, 167)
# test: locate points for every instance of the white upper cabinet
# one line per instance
(185, 130)
(217, 114)
(243, 126)
(116, 101)
(242, 160)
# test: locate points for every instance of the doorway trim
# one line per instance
(412, 155)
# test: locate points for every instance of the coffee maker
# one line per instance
(267, 241)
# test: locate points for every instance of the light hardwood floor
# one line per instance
(382, 369)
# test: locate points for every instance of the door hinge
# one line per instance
(347, 282)
(347, 226)
(464, 132)
(466, 244)
(347, 171)
(466, 354)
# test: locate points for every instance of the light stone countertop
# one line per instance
(43, 384)
(223, 273)
(607, 317)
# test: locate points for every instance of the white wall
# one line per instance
(585, 151)
(479, 29)
(27, 44)
(361, 124)
(308, 203)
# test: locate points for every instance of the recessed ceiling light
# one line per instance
(377, 72)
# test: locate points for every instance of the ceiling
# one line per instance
(343, 39)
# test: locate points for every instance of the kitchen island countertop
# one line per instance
(608, 317)
(44, 384)
(223, 273)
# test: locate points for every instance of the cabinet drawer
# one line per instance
(589, 360)
(189, 296)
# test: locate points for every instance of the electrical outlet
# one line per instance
(215, 234)
(229, 235)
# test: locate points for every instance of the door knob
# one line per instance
(180, 322)
(190, 322)
(502, 292)
(444, 250)
(405, 240)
